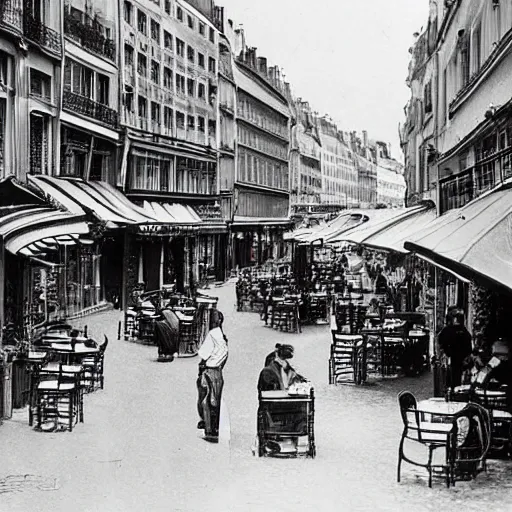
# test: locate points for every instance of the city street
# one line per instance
(139, 448)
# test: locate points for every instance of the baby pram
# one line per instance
(286, 424)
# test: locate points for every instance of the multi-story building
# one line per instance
(390, 186)
(456, 137)
(305, 157)
(170, 56)
(339, 172)
(260, 194)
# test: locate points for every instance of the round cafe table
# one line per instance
(70, 354)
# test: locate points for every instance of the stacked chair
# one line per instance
(347, 361)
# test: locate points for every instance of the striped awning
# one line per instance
(34, 230)
(96, 197)
(172, 213)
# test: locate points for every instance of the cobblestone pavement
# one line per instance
(139, 450)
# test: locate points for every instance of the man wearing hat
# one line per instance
(279, 374)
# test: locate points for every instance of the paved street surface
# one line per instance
(139, 449)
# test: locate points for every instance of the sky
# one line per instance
(348, 58)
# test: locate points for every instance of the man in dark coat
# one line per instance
(278, 373)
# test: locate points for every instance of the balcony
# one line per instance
(11, 15)
(87, 32)
(460, 189)
(42, 35)
(90, 108)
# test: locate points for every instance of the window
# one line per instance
(155, 31)
(103, 89)
(191, 122)
(128, 98)
(180, 47)
(427, 98)
(211, 65)
(128, 12)
(167, 40)
(128, 55)
(142, 65)
(167, 78)
(180, 120)
(202, 28)
(200, 124)
(168, 118)
(200, 60)
(476, 47)
(180, 83)
(143, 107)
(78, 79)
(40, 84)
(155, 72)
(201, 91)
(2, 136)
(142, 22)
(39, 144)
(212, 35)
(179, 14)
(191, 85)
(464, 61)
(167, 6)
(190, 21)
(190, 53)
(155, 113)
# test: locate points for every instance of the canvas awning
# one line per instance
(172, 213)
(472, 241)
(379, 222)
(34, 230)
(393, 237)
(96, 197)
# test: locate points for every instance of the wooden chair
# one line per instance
(347, 359)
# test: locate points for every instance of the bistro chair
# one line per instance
(93, 366)
(471, 442)
(59, 395)
(346, 364)
(428, 434)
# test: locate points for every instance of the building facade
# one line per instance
(305, 161)
(169, 65)
(260, 194)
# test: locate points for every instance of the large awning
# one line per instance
(97, 197)
(34, 230)
(472, 241)
(394, 236)
(379, 221)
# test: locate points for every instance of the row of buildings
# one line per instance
(143, 141)
(457, 142)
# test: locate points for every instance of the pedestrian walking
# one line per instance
(213, 356)
(455, 345)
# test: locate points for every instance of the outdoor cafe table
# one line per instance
(49, 339)
(439, 407)
(69, 354)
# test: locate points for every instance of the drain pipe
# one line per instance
(57, 135)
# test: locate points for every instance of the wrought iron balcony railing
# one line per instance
(88, 33)
(90, 108)
(11, 14)
(41, 34)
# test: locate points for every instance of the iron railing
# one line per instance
(456, 191)
(11, 14)
(88, 32)
(90, 108)
(41, 34)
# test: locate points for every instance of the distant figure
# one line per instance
(455, 343)
(381, 283)
(213, 354)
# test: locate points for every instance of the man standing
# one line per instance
(213, 354)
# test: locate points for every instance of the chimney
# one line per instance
(253, 62)
(365, 138)
(272, 74)
(262, 65)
